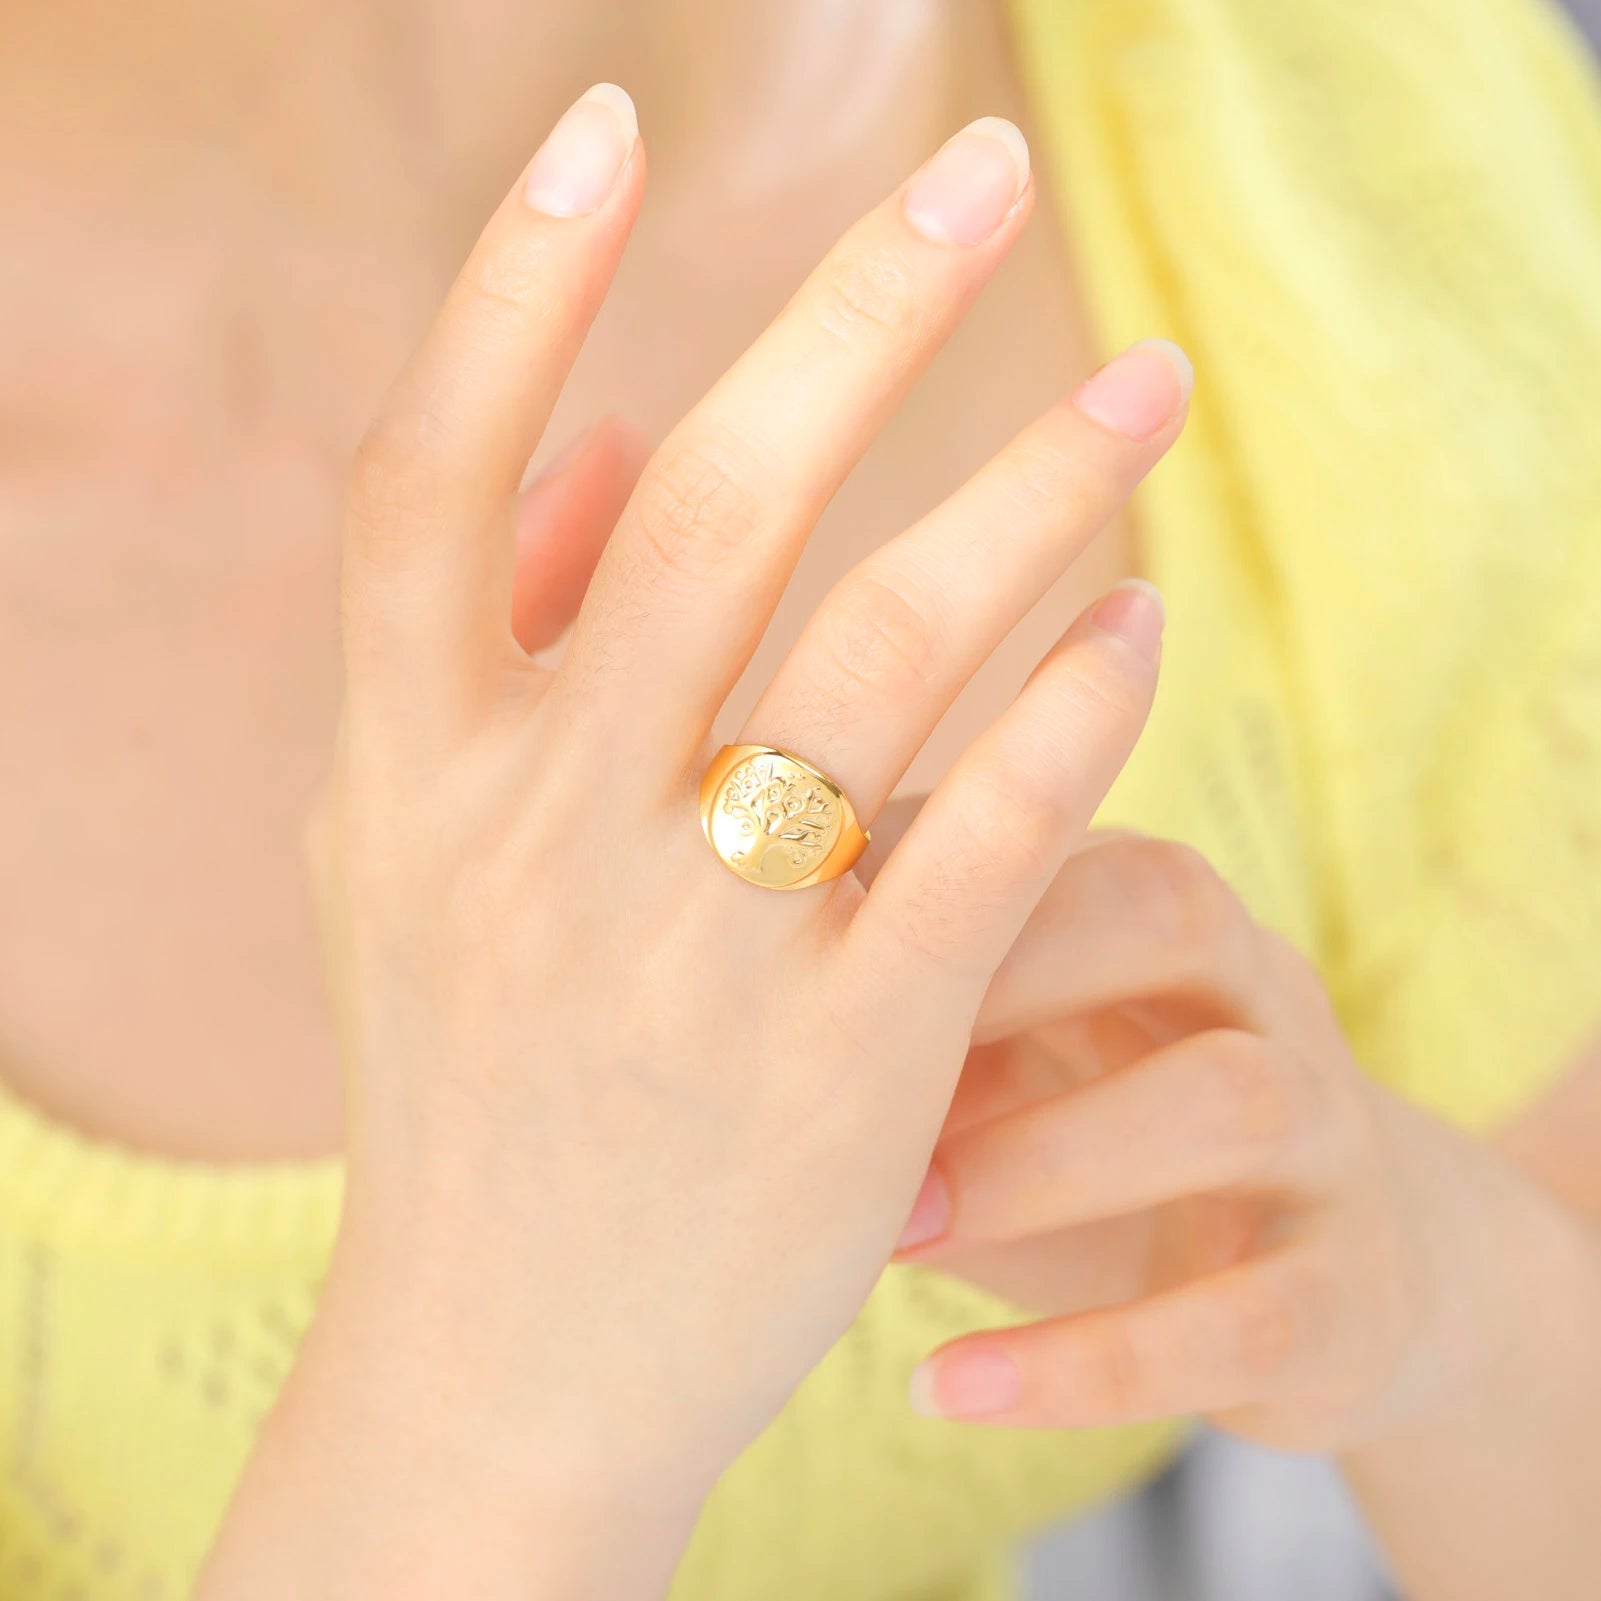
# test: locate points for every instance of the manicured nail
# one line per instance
(965, 189)
(930, 1214)
(966, 1384)
(1133, 610)
(578, 164)
(1140, 392)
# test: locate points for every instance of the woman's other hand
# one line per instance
(1304, 1258)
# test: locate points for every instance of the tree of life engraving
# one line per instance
(783, 819)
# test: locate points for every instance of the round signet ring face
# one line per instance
(776, 821)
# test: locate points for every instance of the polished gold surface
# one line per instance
(775, 820)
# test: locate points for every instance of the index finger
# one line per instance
(428, 550)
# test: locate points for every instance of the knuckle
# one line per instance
(987, 854)
(1253, 1092)
(1008, 1187)
(940, 915)
(880, 637)
(1117, 1375)
(693, 509)
(378, 456)
(391, 485)
(504, 285)
(1297, 979)
(983, 854)
(1265, 1326)
(1186, 895)
(932, 932)
(1008, 824)
(381, 469)
(868, 295)
(1093, 693)
(1045, 481)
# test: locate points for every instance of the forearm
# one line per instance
(406, 1461)
(1497, 1491)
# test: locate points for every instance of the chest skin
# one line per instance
(168, 537)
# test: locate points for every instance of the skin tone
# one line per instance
(209, 291)
(1312, 1263)
(1324, 1267)
(447, 909)
(1329, 1270)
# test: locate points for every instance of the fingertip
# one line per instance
(584, 156)
(967, 1382)
(620, 103)
(920, 1391)
(1140, 392)
(1178, 358)
(970, 185)
(1133, 610)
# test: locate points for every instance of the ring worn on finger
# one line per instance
(777, 821)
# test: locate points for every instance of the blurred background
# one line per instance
(1229, 1522)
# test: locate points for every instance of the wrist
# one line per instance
(1486, 1492)
(493, 1345)
(1516, 1314)
(382, 1471)
(418, 1391)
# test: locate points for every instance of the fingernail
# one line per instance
(966, 188)
(966, 1384)
(1133, 610)
(930, 1215)
(1138, 393)
(578, 164)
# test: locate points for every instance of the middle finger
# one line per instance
(701, 555)
(890, 647)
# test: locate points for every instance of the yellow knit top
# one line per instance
(1376, 225)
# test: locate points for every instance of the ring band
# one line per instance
(777, 821)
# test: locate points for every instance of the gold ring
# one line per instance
(777, 821)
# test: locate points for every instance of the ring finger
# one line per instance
(893, 643)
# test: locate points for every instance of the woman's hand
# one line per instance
(630, 1140)
(1306, 1259)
